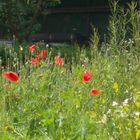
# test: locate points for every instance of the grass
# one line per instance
(52, 102)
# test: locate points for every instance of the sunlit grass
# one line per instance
(52, 101)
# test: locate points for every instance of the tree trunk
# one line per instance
(13, 27)
(36, 14)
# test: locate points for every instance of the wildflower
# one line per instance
(137, 134)
(58, 60)
(87, 76)
(21, 48)
(11, 76)
(114, 103)
(32, 48)
(43, 53)
(109, 111)
(116, 87)
(35, 60)
(61, 61)
(38, 57)
(125, 102)
(103, 101)
(95, 91)
(47, 45)
(137, 113)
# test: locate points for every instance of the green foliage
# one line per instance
(52, 102)
(124, 27)
(21, 16)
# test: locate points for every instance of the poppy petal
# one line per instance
(11, 76)
(32, 48)
(87, 76)
(95, 92)
(58, 60)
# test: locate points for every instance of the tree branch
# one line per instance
(36, 14)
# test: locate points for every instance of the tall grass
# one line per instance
(52, 102)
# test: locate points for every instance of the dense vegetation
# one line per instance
(16, 16)
(50, 97)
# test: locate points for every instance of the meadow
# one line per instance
(74, 93)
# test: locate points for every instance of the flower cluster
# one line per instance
(87, 75)
(40, 56)
(13, 77)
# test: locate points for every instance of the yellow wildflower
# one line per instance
(116, 87)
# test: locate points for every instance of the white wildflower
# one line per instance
(125, 102)
(137, 114)
(114, 103)
(47, 45)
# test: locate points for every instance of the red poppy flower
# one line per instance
(58, 60)
(32, 48)
(38, 57)
(95, 91)
(11, 76)
(35, 60)
(87, 76)
(43, 53)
